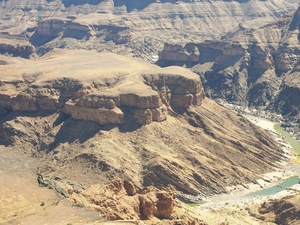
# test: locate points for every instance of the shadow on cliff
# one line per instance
(130, 5)
(254, 74)
(74, 131)
(226, 63)
(82, 130)
(129, 122)
(38, 40)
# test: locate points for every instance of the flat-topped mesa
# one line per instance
(71, 27)
(16, 46)
(193, 53)
(168, 90)
(176, 90)
(111, 88)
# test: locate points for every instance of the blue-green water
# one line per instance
(293, 142)
(282, 186)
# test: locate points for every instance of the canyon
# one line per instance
(106, 129)
(133, 28)
(91, 118)
(250, 67)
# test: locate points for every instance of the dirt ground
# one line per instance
(22, 201)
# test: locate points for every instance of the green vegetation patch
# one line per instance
(293, 142)
(193, 204)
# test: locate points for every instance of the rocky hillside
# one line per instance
(24, 199)
(136, 28)
(250, 67)
(283, 211)
(92, 117)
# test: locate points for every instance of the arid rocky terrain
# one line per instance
(134, 28)
(250, 67)
(88, 124)
(112, 98)
(91, 118)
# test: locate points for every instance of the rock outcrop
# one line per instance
(79, 29)
(151, 204)
(132, 28)
(86, 111)
(250, 67)
(148, 100)
(284, 211)
(16, 46)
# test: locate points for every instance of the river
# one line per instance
(280, 181)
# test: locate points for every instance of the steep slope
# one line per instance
(136, 28)
(284, 211)
(82, 116)
(250, 67)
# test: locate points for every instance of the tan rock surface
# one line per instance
(23, 202)
(96, 87)
(151, 205)
(133, 28)
(16, 46)
(106, 99)
(249, 67)
(195, 149)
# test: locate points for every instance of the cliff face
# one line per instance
(93, 117)
(136, 28)
(101, 102)
(248, 67)
(16, 46)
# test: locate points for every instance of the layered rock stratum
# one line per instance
(108, 116)
(90, 118)
(86, 91)
(135, 28)
(250, 67)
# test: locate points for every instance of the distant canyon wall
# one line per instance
(135, 28)
(249, 67)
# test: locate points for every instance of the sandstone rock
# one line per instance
(179, 54)
(102, 116)
(112, 202)
(154, 206)
(246, 67)
(71, 28)
(160, 114)
(146, 207)
(142, 102)
(177, 159)
(129, 187)
(134, 28)
(111, 104)
(261, 58)
(16, 46)
(143, 116)
(286, 210)
(286, 58)
(107, 100)
(164, 204)
(51, 27)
